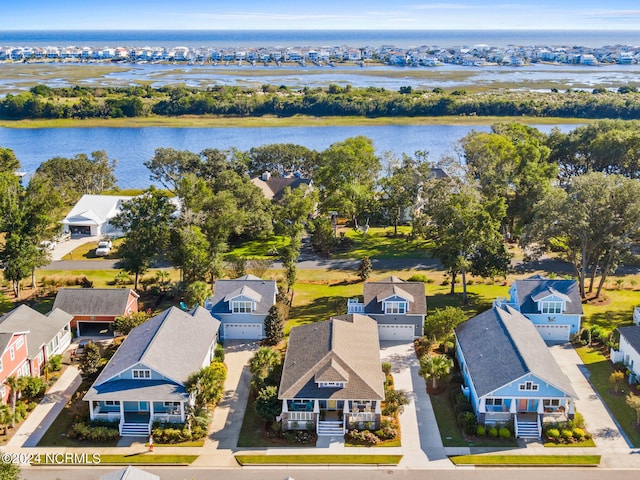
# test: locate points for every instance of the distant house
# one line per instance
(273, 188)
(242, 305)
(554, 306)
(92, 214)
(628, 352)
(145, 380)
(47, 335)
(94, 309)
(129, 473)
(509, 373)
(332, 376)
(14, 359)
(397, 306)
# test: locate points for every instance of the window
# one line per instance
(529, 386)
(242, 307)
(12, 353)
(553, 402)
(391, 308)
(493, 402)
(551, 307)
(331, 384)
(1, 368)
(112, 403)
(20, 342)
(141, 373)
(172, 404)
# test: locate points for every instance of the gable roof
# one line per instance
(96, 209)
(94, 301)
(274, 187)
(500, 346)
(174, 343)
(5, 339)
(413, 292)
(632, 334)
(263, 292)
(344, 348)
(537, 287)
(41, 328)
(129, 473)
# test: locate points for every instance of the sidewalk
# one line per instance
(35, 426)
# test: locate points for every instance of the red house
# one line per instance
(14, 359)
(94, 309)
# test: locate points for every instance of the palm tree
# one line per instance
(262, 364)
(435, 367)
(15, 384)
(5, 417)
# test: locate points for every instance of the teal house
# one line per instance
(509, 373)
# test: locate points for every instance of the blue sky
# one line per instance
(324, 14)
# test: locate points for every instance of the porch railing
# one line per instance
(362, 417)
(497, 417)
(108, 416)
(301, 416)
(166, 418)
(354, 306)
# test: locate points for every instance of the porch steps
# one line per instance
(528, 430)
(135, 430)
(330, 428)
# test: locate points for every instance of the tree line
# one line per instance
(575, 192)
(43, 102)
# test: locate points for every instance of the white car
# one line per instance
(47, 245)
(104, 248)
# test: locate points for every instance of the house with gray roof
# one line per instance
(47, 335)
(145, 380)
(332, 375)
(553, 306)
(273, 188)
(509, 372)
(397, 306)
(241, 305)
(94, 309)
(129, 473)
(628, 352)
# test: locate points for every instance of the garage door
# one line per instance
(554, 333)
(249, 331)
(94, 329)
(395, 332)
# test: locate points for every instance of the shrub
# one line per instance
(94, 432)
(553, 434)
(578, 434)
(55, 362)
(218, 354)
(31, 406)
(462, 407)
(33, 387)
(122, 278)
(566, 435)
(364, 436)
(504, 433)
(468, 422)
(387, 431)
(493, 432)
(386, 368)
(419, 277)
(481, 431)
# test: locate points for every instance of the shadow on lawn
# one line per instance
(319, 309)
(475, 303)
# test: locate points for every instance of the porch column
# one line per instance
(182, 418)
(514, 406)
(121, 411)
(316, 406)
(345, 409)
(150, 411)
(378, 408)
(571, 408)
(540, 407)
(482, 408)
(91, 409)
(285, 406)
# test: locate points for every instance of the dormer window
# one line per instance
(551, 307)
(331, 384)
(141, 374)
(395, 308)
(528, 386)
(239, 306)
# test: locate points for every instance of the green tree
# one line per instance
(399, 191)
(633, 401)
(262, 364)
(435, 367)
(274, 325)
(6, 418)
(146, 221)
(267, 404)
(394, 400)
(365, 268)
(347, 176)
(190, 251)
(282, 159)
(8, 161)
(617, 379)
(15, 384)
(208, 384)
(125, 323)
(196, 293)
(441, 323)
(90, 361)
(9, 471)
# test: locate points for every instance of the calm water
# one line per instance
(132, 146)
(286, 38)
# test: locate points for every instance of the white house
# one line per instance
(92, 215)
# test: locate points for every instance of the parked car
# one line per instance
(104, 248)
(47, 245)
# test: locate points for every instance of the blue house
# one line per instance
(509, 373)
(145, 380)
(553, 306)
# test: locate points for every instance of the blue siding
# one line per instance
(513, 391)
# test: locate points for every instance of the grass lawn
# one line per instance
(87, 251)
(379, 242)
(318, 459)
(600, 369)
(616, 313)
(258, 248)
(549, 460)
(144, 458)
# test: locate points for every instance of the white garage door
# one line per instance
(249, 331)
(554, 333)
(395, 332)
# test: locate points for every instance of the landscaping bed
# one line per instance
(318, 459)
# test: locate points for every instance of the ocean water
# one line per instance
(289, 38)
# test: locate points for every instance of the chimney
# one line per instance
(265, 176)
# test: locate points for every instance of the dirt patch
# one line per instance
(602, 300)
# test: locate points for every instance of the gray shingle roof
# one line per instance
(500, 346)
(344, 346)
(537, 287)
(129, 473)
(5, 339)
(41, 328)
(93, 301)
(225, 289)
(632, 334)
(273, 189)
(173, 343)
(375, 292)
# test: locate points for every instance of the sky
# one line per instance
(319, 15)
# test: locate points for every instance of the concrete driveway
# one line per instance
(599, 421)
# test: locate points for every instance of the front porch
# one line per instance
(338, 414)
(133, 415)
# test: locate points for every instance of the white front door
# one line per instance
(395, 332)
(248, 331)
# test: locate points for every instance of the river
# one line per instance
(133, 146)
